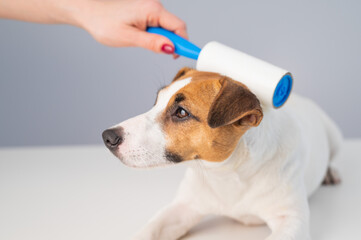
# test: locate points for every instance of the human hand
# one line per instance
(123, 23)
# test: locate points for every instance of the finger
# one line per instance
(172, 23)
(154, 42)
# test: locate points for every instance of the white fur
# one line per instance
(144, 142)
(267, 179)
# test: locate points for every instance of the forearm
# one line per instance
(43, 11)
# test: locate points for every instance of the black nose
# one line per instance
(113, 137)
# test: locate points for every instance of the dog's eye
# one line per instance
(181, 113)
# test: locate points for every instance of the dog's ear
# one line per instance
(234, 104)
(181, 73)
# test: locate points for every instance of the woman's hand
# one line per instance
(116, 23)
(122, 23)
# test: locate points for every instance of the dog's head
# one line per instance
(200, 115)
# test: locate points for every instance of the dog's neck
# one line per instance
(254, 150)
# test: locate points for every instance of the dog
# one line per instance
(259, 164)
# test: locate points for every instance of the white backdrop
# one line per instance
(58, 86)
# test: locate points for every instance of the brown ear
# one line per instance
(181, 73)
(234, 104)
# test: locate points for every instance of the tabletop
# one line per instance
(84, 192)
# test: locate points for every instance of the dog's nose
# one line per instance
(113, 137)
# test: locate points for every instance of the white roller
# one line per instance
(259, 76)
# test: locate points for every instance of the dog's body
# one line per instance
(261, 175)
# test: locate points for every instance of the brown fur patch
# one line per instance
(192, 137)
(234, 102)
(181, 73)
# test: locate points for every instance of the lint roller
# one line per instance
(271, 84)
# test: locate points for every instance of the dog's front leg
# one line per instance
(291, 225)
(288, 228)
(170, 223)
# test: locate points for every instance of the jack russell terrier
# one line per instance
(259, 164)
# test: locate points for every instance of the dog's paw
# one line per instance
(332, 177)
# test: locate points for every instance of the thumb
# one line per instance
(153, 42)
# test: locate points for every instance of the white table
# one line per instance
(84, 192)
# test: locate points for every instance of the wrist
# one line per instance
(70, 11)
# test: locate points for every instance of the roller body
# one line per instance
(271, 84)
(260, 77)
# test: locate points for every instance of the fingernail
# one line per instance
(168, 49)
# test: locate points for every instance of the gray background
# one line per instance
(58, 86)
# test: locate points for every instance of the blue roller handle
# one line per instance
(181, 46)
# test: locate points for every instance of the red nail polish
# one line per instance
(168, 49)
